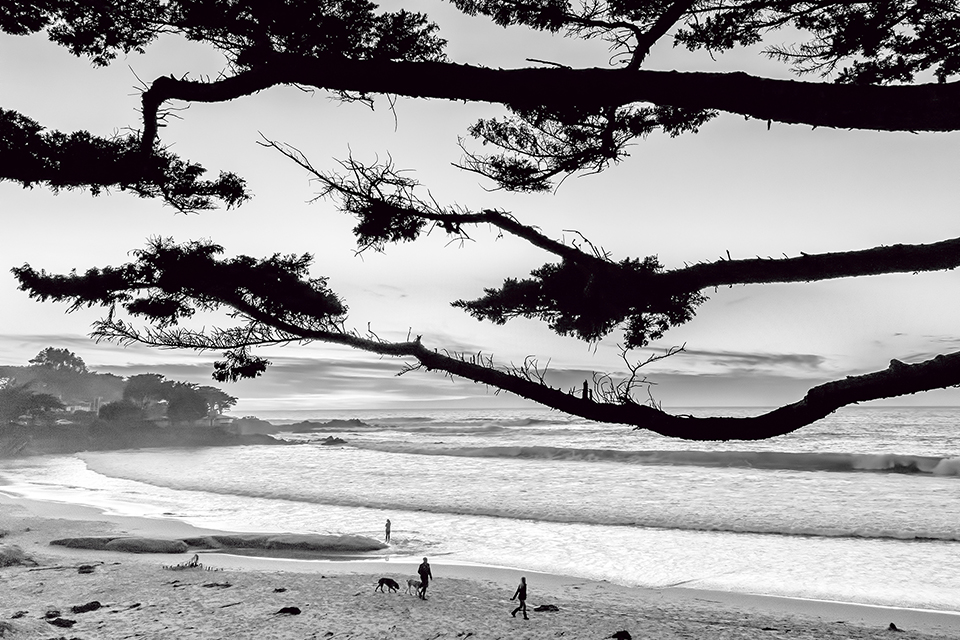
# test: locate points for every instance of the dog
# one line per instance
(415, 585)
(389, 583)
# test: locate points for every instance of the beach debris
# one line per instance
(893, 627)
(5, 627)
(290, 611)
(193, 563)
(547, 607)
(279, 589)
(19, 614)
(62, 622)
(218, 585)
(84, 608)
(621, 635)
(232, 604)
(85, 568)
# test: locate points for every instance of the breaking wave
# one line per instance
(840, 462)
(665, 521)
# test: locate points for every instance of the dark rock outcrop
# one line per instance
(249, 542)
(129, 545)
(62, 622)
(84, 608)
(290, 611)
(147, 545)
(97, 544)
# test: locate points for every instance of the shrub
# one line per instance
(12, 555)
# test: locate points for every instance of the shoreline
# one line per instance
(33, 523)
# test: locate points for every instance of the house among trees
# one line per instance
(56, 385)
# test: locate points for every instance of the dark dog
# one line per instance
(389, 583)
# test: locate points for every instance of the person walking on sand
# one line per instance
(521, 595)
(386, 537)
(425, 575)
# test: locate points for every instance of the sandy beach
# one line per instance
(235, 596)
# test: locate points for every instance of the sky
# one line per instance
(735, 187)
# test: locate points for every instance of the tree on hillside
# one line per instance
(59, 360)
(121, 411)
(144, 389)
(41, 405)
(217, 401)
(559, 121)
(185, 403)
(64, 375)
(17, 400)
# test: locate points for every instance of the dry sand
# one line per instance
(240, 598)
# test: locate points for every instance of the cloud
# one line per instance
(753, 360)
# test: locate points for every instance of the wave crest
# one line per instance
(839, 462)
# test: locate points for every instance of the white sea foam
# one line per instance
(947, 467)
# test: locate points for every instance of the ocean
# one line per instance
(862, 507)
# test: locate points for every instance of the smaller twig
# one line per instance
(550, 63)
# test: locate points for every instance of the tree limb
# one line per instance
(923, 107)
(659, 29)
(898, 258)
(897, 380)
(382, 184)
(275, 303)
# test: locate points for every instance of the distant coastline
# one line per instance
(20, 440)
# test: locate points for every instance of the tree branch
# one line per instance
(646, 41)
(276, 303)
(923, 107)
(897, 380)
(367, 184)
(898, 258)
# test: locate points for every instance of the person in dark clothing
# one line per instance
(386, 537)
(425, 575)
(521, 595)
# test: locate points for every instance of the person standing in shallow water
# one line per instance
(425, 575)
(386, 536)
(521, 595)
